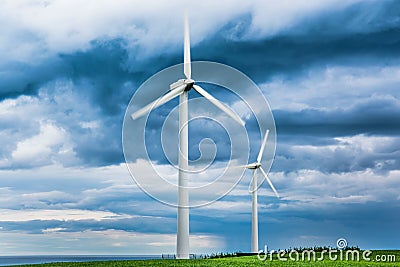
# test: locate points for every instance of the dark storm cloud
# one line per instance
(25, 79)
(360, 137)
(379, 116)
(101, 146)
(363, 33)
(100, 68)
(145, 224)
(34, 226)
(101, 84)
(103, 69)
(347, 155)
(199, 130)
(109, 71)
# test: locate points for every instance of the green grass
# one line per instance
(233, 261)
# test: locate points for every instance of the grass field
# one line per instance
(243, 261)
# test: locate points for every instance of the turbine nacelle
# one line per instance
(253, 166)
(187, 83)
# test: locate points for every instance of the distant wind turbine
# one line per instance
(254, 188)
(181, 88)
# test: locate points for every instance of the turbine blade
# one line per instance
(160, 101)
(241, 166)
(269, 182)
(262, 146)
(187, 68)
(254, 180)
(218, 104)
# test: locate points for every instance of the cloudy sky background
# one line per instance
(329, 69)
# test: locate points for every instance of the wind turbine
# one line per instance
(254, 219)
(181, 88)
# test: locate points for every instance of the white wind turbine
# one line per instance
(181, 88)
(254, 188)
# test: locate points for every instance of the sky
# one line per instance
(330, 71)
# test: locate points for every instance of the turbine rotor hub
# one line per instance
(189, 84)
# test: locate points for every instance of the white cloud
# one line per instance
(63, 215)
(332, 87)
(39, 149)
(308, 188)
(108, 242)
(57, 187)
(49, 128)
(302, 189)
(272, 17)
(342, 154)
(230, 205)
(89, 124)
(39, 28)
(52, 230)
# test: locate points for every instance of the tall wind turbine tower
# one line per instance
(254, 191)
(182, 88)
